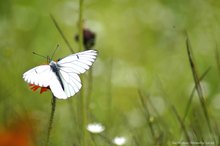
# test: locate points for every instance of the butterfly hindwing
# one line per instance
(71, 82)
(56, 87)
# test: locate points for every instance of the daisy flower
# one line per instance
(95, 128)
(119, 141)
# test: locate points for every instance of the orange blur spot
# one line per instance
(35, 87)
(20, 133)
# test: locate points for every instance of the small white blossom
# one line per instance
(119, 141)
(95, 128)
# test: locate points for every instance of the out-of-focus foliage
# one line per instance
(141, 46)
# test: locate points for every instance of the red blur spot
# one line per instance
(20, 133)
(35, 87)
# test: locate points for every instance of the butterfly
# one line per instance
(62, 77)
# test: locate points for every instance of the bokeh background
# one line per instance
(142, 55)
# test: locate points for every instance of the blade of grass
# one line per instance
(135, 139)
(181, 124)
(61, 33)
(173, 109)
(93, 139)
(106, 139)
(197, 82)
(217, 131)
(158, 126)
(192, 94)
(147, 114)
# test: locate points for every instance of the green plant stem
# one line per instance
(192, 94)
(181, 124)
(83, 117)
(53, 107)
(80, 21)
(89, 89)
(61, 33)
(83, 98)
(147, 115)
(197, 83)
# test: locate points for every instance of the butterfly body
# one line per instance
(55, 68)
(62, 77)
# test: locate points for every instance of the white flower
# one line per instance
(95, 128)
(119, 140)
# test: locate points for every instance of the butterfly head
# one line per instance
(54, 66)
(52, 63)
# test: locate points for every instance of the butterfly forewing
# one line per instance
(39, 75)
(79, 62)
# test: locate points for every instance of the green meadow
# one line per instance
(156, 79)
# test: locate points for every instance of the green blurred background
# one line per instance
(141, 46)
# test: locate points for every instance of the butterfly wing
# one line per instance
(56, 87)
(78, 63)
(40, 75)
(71, 83)
(70, 67)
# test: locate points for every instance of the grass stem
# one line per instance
(192, 94)
(83, 97)
(53, 107)
(147, 115)
(197, 82)
(62, 34)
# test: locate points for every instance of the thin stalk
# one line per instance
(197, 83)
(53, 108)
(181, 124)
(82, 98)
(217, 58)
(83, 117)
(192, 94)
(80, 21)
(217, 131)
(173, 109)
(89, 89)
(93, 139)
(156, 128)
(61, 33)
(107, 140)
(75, 120)
(109, 90)
(147, 115)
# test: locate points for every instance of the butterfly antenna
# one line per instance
(54, 51)
(39, 55)
(48, 59)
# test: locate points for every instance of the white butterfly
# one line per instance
(62, 77)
